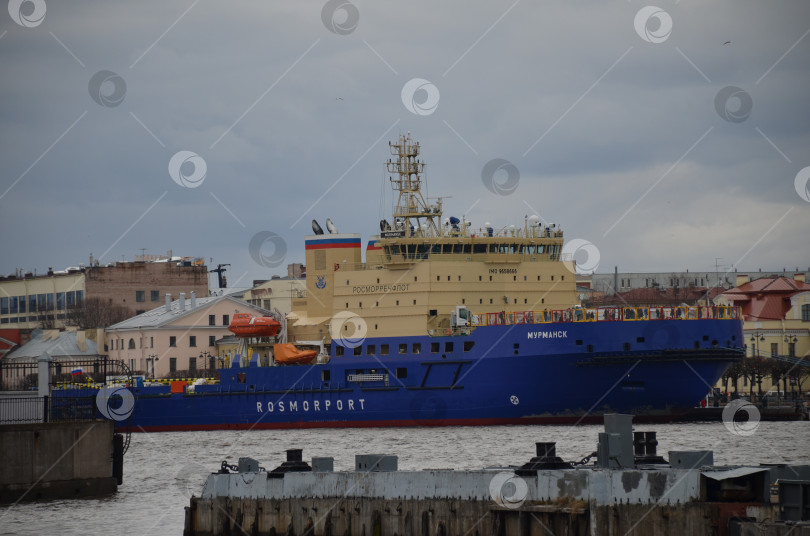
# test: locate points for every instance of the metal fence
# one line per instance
(36, 409)
(23, 374)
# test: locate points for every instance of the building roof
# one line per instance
(771, 285)
(56, 344)
(766, 298)
(159, 316)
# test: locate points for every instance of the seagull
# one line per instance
(727, 43)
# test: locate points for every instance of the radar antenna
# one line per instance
(408, 183)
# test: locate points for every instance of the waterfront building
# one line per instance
(277, 293)
(29, 301)
(776, 311)
(180, 335)
(611, 283)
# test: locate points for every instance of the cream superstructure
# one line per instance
(420, 268)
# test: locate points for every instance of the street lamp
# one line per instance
(151, 361)
(755, 340)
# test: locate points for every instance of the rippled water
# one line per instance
(161, 471)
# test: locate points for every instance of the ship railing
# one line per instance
(606, 314)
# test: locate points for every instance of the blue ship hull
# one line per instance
(510, 374)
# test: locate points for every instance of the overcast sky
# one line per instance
(611, 119)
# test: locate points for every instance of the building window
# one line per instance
(3, 306)
(792, 349)
(192, 340)
(192, 363)
(806, 313)
(212, 320)
(151, 342)
(154, 295)
(212, 340)
(60, 301)
(225, 320)
(774, 349)
(131, 344)
(172, 341)
(140, 295)
(172, 364)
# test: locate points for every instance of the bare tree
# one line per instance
(96, 313)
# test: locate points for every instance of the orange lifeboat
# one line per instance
(247, 325)
(289, 354)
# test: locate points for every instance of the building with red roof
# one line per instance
(776, 312)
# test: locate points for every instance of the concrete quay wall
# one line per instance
(440, 517)
(56, 460)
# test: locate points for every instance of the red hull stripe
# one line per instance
(591, 419)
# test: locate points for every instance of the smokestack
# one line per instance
(193, 299)
(182, 301)
(168, 302)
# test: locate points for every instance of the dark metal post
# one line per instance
(118, 458)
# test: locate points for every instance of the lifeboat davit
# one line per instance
(247, 325)
(289, 354)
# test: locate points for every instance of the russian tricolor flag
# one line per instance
(77, 371)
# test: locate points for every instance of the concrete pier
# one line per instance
(629, 489)
(597, 501)
(57, 460)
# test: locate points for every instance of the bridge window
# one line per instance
(448, 347)
(417, 348)
(358, 350)
(338, 350)
(371, 349)
(468, 345)
(383, 349)
(402, 372)
(403, 348)
(434, 348)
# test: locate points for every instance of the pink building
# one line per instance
(180, 335)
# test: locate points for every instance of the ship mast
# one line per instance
(408, 183)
